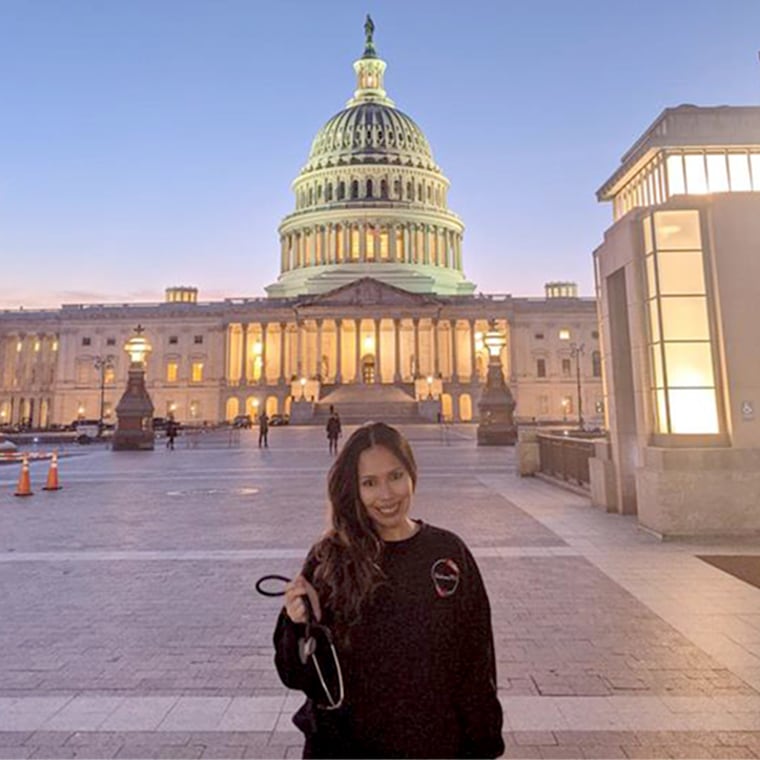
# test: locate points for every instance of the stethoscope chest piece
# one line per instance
(306, 648)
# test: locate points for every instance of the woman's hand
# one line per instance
(295, 607)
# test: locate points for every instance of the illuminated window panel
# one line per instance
(680, 273)
(676, 179)
(696, 178)
(197, 372)
(384, 245)
(657, 370)
(754, 162)
(717, 173)
(654, 321)
(172, 371)
(677, 229)
(371, 244)
(354, 254)
(689, 365)
(684, 318)
(738, 169)
(693, 411)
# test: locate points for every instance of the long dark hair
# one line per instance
(348, 570)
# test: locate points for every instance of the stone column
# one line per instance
(426, 243)
(362, 242)
(263, 378)
(299, 348)
(416, 323)
(391, 242)
(283, 253)
(397, 350)
(318, 371)
(281, 378)
(436, 358)
(454, 359)
(338, 351)
(244, 351)
(227, 354)
(358, 350)
(473, 376)
(378, 378)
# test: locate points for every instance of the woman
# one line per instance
(409, 615)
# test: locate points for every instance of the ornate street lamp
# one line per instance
(496, 406)
(430, 387)
(134, 429)
(576, 351)
(303, 388)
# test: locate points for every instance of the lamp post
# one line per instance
(576, 351)
(430, 386)
(303, 388)
(496, 405)
(102, 363)
(134, 412)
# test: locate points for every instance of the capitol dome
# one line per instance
(370, 132)
(371, 202)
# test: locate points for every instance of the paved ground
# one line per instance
(129, 629)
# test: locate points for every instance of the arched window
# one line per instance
(328, 191)
(354, 190)
(409, 191)
(383, 188)
(397, 189)
(370, 189)
(341, 190)
(419, 192)
(311, 196)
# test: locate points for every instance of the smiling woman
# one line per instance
(410, 617)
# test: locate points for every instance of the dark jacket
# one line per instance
(420, 673)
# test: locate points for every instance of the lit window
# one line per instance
(696, 178)
(564, 334)
(676, 181)
(19, 346)
(682, 369)
(36, 346)
(738, 170)
(109, 375)
(172, 372)
(717, 173)
(197, 372)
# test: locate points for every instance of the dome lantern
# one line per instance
(370, 70)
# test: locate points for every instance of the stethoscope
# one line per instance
(307, 645)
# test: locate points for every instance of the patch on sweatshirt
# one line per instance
(445, 575)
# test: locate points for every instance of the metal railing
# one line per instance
(566, 458)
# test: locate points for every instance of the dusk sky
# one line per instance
(152, 143)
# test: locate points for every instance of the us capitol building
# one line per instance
(371, 311)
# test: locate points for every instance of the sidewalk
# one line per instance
(129, 627)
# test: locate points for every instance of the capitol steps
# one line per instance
(360, 403)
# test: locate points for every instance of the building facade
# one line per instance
(371, 304)
(677, 274)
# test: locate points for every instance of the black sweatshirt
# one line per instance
(420, 673)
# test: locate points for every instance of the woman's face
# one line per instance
(385, 490)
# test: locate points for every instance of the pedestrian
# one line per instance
(264, 430)
(171, 433)
(414, 672)
(333, 428)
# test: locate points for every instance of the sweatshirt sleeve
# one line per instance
(293, 673)
(477, 700)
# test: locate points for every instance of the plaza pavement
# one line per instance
(129, 627)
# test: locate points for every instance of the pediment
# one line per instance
(368, 291)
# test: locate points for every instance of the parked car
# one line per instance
(87, 431)
(6, 446)
(279, 419)
(242, 421)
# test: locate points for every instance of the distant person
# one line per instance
(414, 672)
(334, 430)
(171, 434)
(263, 430)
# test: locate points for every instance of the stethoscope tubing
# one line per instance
(333, 704)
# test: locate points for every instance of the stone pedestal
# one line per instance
(134, 412)
(496, 407)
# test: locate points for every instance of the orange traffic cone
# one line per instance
(52, 478)
(24, 487)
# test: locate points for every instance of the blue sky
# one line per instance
(153, 142)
